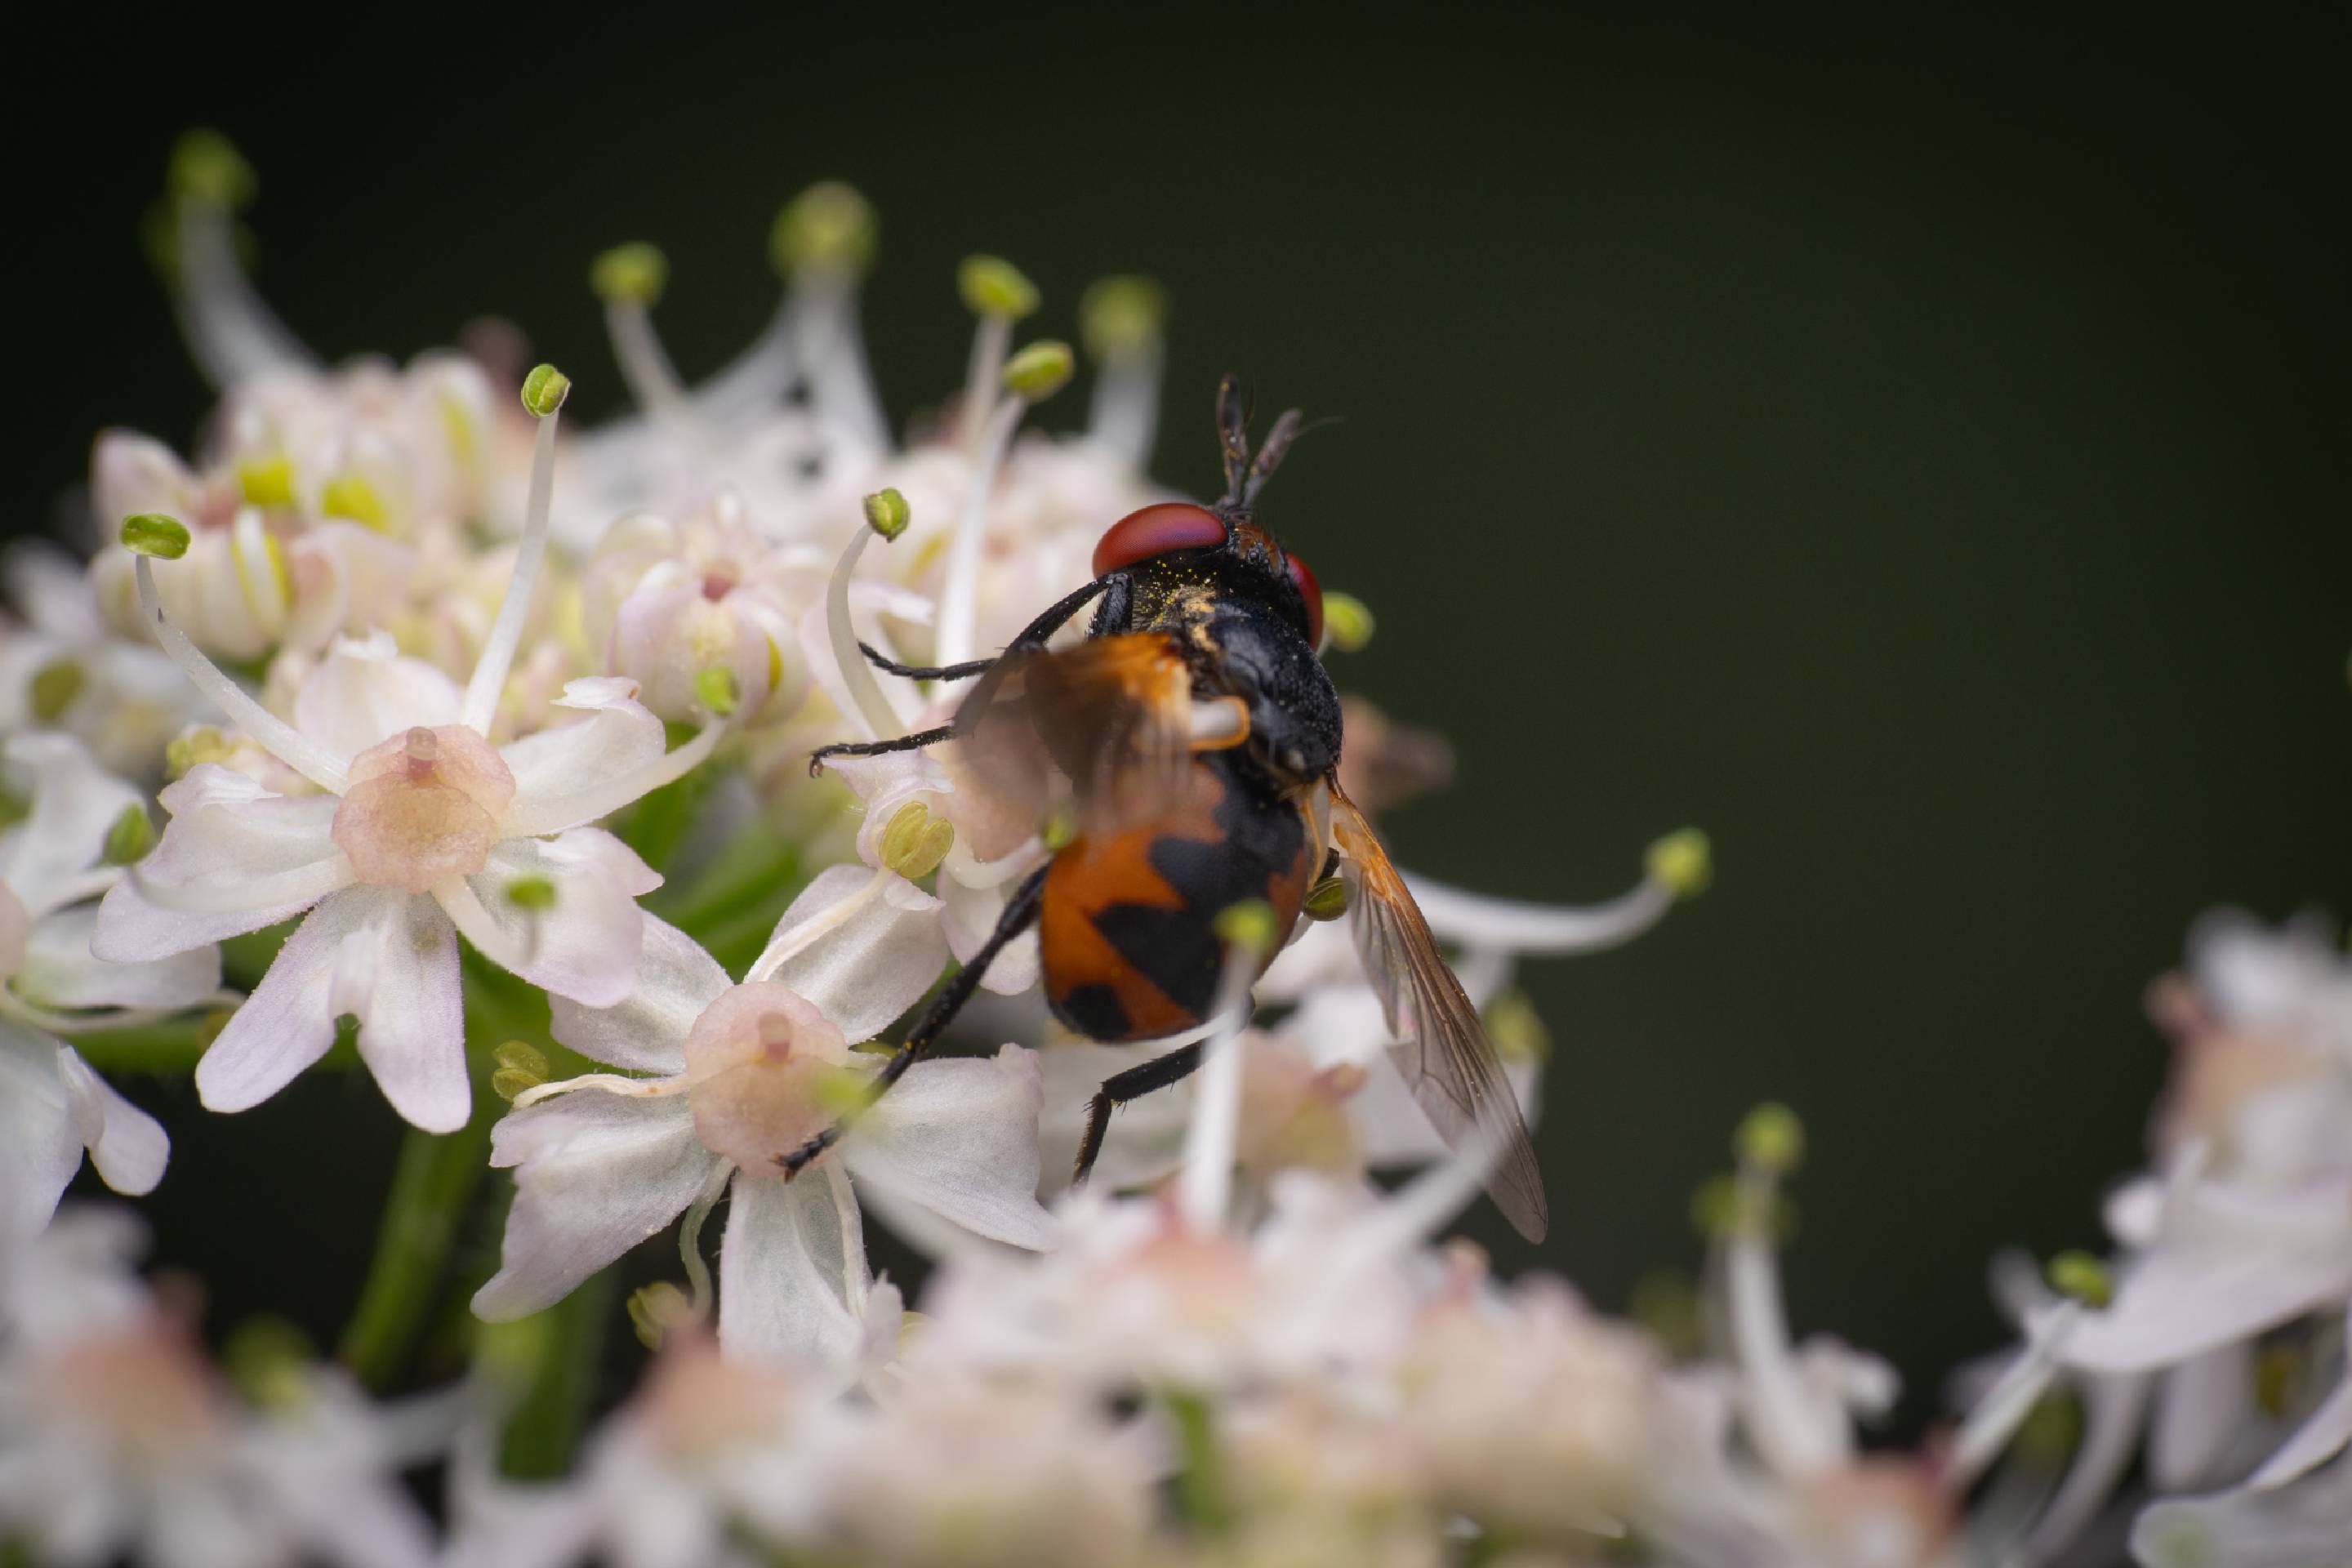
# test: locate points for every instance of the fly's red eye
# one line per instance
(1303, 576)
(1159, 529)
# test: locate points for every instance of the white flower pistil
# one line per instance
(422, 808)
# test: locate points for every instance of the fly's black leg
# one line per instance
(926, 671)
(915, 741)
(1019, 914)
(1122, 1086)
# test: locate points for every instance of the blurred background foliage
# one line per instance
(1911, 447)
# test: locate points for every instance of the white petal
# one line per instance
(586, 945)
(877, 962)
(619, 735)
(2299, 1526)
(972, 916)
(958, 1137)
(794, 1256)
(2199, 1410)
(411, 1012)
(594, 1174)
(676, 980)
(2321, 1434)
(226, 834)
(127, 1145)
(287, 1024)
(59, 970)
(365, 691)
(2178, 1301)
(40, 1141)
(74, 803)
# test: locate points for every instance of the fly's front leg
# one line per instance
(1133, 1084)
(1019, 914)
(913, 742)
(964, 671)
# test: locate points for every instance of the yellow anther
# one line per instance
(887, 513)
(718, 689)
(1683, 863)
(915, 842)
(635, 272)
(655, 1309)
(1347, 622)
(152, 533)
(202, 743)
(1041, 370)
(991, 286)
(206, 167)
(544, 390)
(267, 481)
(1249, 925)
(828, 225)
(534, 894)
(1326, 899)
(1118, 316)
(349, 495)
(53, 688)
(1771, 1139)
(2082, 1277)
(132, 835)
(1516, 1029)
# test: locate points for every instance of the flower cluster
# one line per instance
(401, 727)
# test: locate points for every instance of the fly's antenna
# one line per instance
(1233, 436)
(1270, 453)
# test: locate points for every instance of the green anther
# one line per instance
(991, 286)
(718, 689)
(1770, 1140)
(206, 167)
(270, 1360)
(267, 481)
(2082, 1277)
(53, 688)
(521, 1066)
(1347, 622)
(657, 1308)
(828, 225)
(152, 533)
(1683, 863)
(544, 390)
(887, 513)
(1060, 828)
(201, 743)
(1041, 370)
(131, 836)
(349, 495)
(534, 894)
(1249, 924)
(1118, 316)
(636, 272)
(1516, 1030)
(1326, 899)
(915, 842)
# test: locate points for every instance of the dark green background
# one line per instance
(1912, 450)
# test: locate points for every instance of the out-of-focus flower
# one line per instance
(65, 668)
(120, 1441)
(2303, 1524)
(748, 1073)
(81, 826)
(421, 829)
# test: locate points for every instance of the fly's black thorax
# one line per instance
(1242, 631)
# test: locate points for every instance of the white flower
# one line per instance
(750, 1072)
(119, 1441)
(53, 1105)
(65, 668)
(2306, 1525)
(422, 830)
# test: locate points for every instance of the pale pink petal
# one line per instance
(59, 970)
(130, 472)
(958, 1137)
(288, 1023)
(2199, 1407)
(586, 945)
(127, 1145)
(619, 735)
(873, 960)
(74, 803)
(346, 576)
(229, 839)
(365, 691)
(676, 980)
(2176, 1303)
(971, 914)
(40, 1141)
(398, 975)
(794, 1259)
(595, 1174)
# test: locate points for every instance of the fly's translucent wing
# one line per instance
(1109, 719)
(1442, 1048)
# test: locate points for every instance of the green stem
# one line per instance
(758, 861)
(565, 1347)
(657, 825)
(433, 1189)
(165, 1048)
(1199, 1482)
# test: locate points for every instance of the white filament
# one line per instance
(1546, 930)
(881, 720)
(754, 379)
(1781, 1419)
(2005, 1405)
(644, 366)
(1124, 417)
(603, 1082)
(1206, 1185)
(959, 598)
(276, 736)
(489, 678)
(231, 335)
(990, 345)
(833, 349)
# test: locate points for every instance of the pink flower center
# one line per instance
(422, 808)
(765, 1073)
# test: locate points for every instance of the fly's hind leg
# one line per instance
(1121, 1087)
(915, 741)
(1019, 914)
(964, 671)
